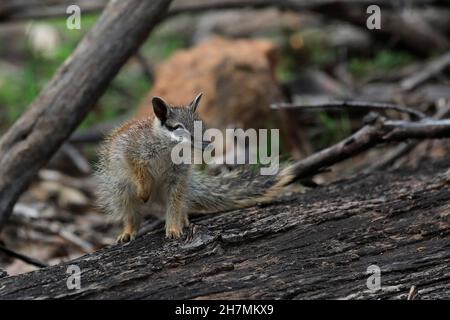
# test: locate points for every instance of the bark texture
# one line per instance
(315, 245)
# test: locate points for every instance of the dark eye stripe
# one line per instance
(170, 128)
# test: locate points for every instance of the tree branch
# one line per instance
(378, 130)
(362, 105)
(24, 258)
(403, 149)
(430, 70)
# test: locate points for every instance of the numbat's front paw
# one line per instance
(125, 237)
(174, 228)
(174, 232)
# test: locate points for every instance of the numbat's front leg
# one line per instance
(176, 215)
(131, 223)
(131, 217)
(142, 178)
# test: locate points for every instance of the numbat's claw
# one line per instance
(125, 237)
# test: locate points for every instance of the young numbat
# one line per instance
(135, 172)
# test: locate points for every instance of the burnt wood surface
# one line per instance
(314, 245)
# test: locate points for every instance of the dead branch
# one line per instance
(378, 130)
(412, 293)
(96, 133)
(393, 155)
(72, 93)
(406, 147)
(432, 68)
(386, 92)
(24, 258)
(409, 28)
(399, 130)
(362, 105)
(77, 159)
(147, 69)
(84, 185)
(60, 230)
(366, 137)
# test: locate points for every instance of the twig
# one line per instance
(405, 148)
(431, 69)
(399, 130)
(76, 240)
(83, 184)
(146, 67)
(23, 257)
(412, 293)
(61, 231)
(378, 130)
(337, 104)
(89, 136)
(392, 156)
(385, 92)
(75, 156)
(97, 132)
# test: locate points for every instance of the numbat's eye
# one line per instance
(175, 127)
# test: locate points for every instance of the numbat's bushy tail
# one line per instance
(135, 171)
(239, 188)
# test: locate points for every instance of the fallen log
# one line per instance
(317, 245)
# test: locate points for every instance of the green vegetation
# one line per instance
(306, 48)
(384, 60)
(336, 129)
(317, 48)
(20, 85)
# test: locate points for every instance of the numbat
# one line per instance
(135, 172)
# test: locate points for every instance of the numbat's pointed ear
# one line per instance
(161, 109)
(194, 104)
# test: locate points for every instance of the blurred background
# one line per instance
(243, 60)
